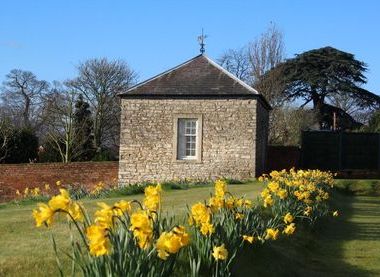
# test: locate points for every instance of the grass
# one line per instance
(359, 187)
(26, 250)
(345, 246)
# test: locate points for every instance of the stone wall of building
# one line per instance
(228, 139)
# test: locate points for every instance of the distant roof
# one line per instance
(199, 77)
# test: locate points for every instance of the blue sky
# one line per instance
(50, 38)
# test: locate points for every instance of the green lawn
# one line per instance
(27, 251)
(348, 245)
(345, 246)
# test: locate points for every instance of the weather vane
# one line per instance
(201, 41)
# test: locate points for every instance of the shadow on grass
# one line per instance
(367, 220)
(316, 251)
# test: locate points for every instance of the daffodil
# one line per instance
(200, 213)
(239, 202)
(142, 227)
(152, 197)
(36, 191)
(181, 232)
(268, 201)
(220, 188)
(307, 211)
(122, 207)
(272, 234)
(104, 216)
(61, 201)
(220, 252)
(288, 218)
(265, 193)
(239, 216)
(216, 203)
(249, 239)
(273, 186)
(207, 228)
(171, 242)
(44, 214)
(282, 193)
(75, 211)
(290, 229)
(229, 203)
(99, 243)
(247, 203)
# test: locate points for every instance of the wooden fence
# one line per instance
(340, 151)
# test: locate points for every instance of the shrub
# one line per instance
(22, 147)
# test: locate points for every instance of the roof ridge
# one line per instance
(161, 74)
(209, 60)
(232, 76)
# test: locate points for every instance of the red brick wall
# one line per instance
(20, 176)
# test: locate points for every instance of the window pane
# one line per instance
(187, 138)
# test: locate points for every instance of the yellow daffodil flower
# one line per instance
(288, 218)
(98, 241)
(220, 252)
(289, 229)
(44, 214)
(272, 234)
(249, 239)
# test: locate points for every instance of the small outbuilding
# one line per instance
(195, 121)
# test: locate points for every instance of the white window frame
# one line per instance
(198, 138)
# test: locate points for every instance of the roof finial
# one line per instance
(201, 40)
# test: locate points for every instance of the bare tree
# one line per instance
(237, 62)
(266, 52)
(100, 80)
(351, 106)
(256, 64)
(252, 63)
(287, 124)
(60, 124)
(22, 95)
(5, 136)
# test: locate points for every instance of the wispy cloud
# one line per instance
(11, 44)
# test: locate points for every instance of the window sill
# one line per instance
(191, 161)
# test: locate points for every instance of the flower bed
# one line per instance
(133, 238)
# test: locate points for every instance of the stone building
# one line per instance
(196, 121)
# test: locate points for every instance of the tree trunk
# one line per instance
(26, 112)
(318, 102)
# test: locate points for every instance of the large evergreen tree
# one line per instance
(316, 75)
(83, 129)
